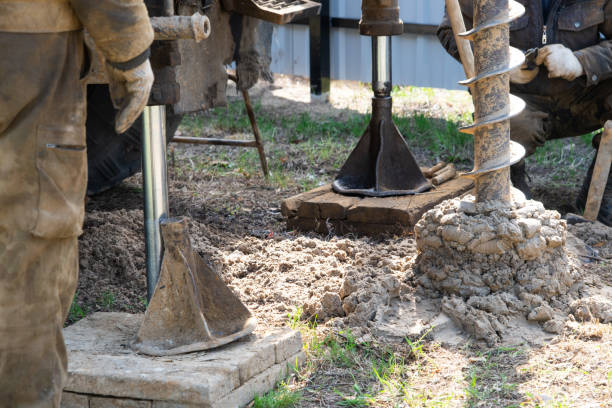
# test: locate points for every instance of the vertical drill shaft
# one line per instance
(493, 104)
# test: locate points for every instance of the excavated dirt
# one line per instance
(497, 263)
(368, 285)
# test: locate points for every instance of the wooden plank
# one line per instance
(289, 206)
(321, 209)
(379, 210)
(421, 203)
(334, 206)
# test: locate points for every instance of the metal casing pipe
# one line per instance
(381, 66)
(154, 176)
(195, 27)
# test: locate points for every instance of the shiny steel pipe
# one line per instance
(381, 66)
(168, 7)
(155, 183)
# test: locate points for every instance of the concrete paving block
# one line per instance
(102, 365)
(289, 343)
(140, 377)
(101, 402)
(164, 404)
(250, 358)
(259, 384)
(72, 400)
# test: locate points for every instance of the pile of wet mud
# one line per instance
(501, 274)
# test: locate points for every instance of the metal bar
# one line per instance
(212, 141)
(320, 51)
(169, 8)
(381, 66)
(195, 27)
(258, 142)
(353, 24)
(155, 188)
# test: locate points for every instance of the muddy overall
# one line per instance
(43, 177)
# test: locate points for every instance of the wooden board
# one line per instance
(324, 211)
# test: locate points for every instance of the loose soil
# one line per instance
(364, 285)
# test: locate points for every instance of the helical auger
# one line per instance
(494, 152)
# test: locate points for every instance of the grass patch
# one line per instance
(76, 312)
(280, 397)
(306, 152)
(493, 378)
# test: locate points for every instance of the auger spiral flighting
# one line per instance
(494, 247)
(494, 152)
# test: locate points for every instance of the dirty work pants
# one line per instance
(43, 177)
(576, 112)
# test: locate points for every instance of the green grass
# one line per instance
(76, 312)
(280, 397)
(306, 152)
(107, 300)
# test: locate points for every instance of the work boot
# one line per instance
(605, 211)
(518, 176)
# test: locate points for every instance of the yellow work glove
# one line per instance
(560, 61)
(129, 91)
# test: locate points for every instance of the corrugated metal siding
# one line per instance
(418, 60)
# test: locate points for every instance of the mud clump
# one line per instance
(494, 263)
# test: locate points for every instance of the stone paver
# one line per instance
(103, 369)
(71, 400)
(101, 402)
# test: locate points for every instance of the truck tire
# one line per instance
(112, 157)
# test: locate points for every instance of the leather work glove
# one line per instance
(129, 91)
(560, 61)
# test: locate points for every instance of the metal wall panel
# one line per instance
(418, 60)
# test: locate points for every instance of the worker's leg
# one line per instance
(531, 128)
(37, 282)
(42, 189)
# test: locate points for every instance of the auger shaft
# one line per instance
(494, 152)
(491, 95)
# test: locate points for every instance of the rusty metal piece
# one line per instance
(192, 308)
(195, 27)
(494, 152)
(381, 164)
(214, 141)
(274, 11)
(601, 170)
(380, 18)
(257, 143)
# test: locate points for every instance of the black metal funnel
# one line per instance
(381, 164)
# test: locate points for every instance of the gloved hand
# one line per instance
(521, 75)
(560, 61)
(130, 92)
